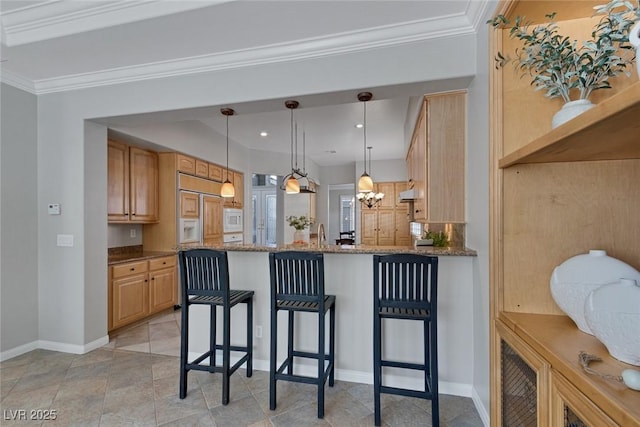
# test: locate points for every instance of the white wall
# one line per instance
(477, 203)
(18, 221)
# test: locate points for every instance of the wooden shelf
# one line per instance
(609, 131)
(559, 341)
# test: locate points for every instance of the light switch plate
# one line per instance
(65, 240)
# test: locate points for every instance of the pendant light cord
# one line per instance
(227, 147)
(291, 138)
(365, 136)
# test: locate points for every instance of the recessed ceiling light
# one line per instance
(331, 151)
(263, 133)
(359, 125)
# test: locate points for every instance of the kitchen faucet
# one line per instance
(321, 236)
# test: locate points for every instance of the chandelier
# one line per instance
(369, 198)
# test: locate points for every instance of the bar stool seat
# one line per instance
(405, 287)
(297, 284)
(204, 277)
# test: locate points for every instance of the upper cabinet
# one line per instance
(557, 193)
(436, 159)
(132, 180)
(237, 179)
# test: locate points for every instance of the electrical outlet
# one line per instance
(132, 232)
(259, 331)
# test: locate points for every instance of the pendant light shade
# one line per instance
(227, 189)
(365, 183)
(369, 198)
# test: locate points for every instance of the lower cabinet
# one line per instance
(141, 288)
(571, 408)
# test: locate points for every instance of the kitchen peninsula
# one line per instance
(349, 276)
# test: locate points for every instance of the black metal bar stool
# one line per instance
(204, 276)
(297, 284)
(405, 287)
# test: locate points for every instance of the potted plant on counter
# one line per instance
(299, 223)
(565, 68)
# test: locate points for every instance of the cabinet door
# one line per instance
(143, 166)
(186, 164)
(189, 205)
(215, 172)
(117, 181)
(398, 188)
(569, 407)
(419, 164)
(402, 235)
(212, 220)
(386, 227)
(238, 186)
(130, 299)
(162, 289)
(202, 168)
(445, 157)
(369, 227)
(388, 189)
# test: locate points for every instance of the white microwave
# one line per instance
(232, 220)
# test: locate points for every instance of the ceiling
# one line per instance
(53, 46)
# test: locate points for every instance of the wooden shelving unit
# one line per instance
(609, 131)
(557, 193)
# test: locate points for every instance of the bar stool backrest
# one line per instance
(297, 276)
(406, 281)
(204, 272)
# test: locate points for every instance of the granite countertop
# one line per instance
(346, 249)
(133, 253)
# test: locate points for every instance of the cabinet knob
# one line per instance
(132, 269)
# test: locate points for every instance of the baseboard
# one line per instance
(360, 377)
(482, 410)
(18, 351)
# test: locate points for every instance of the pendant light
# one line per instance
(365, 183)
(290, 183)
(227, 189)
(369, 198)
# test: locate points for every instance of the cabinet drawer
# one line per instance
(163, 262)
(129, 269)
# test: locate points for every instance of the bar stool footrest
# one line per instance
(196, 366)
(403, 365)
(406, 392)
(301, 378)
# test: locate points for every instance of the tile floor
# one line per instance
(133, 381)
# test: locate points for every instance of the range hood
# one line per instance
(407, 196)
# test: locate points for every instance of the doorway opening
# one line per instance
(264, 206)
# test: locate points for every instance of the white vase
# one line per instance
(634, 39)
(570, 110)
(299, 237)
(574, 279)
(613, 314)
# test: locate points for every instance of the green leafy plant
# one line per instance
(561, 66)
(299, 222)
(439, 238)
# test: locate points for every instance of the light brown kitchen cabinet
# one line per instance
(237, 179)
(202, 168)
(132, 181)
(211, 220)
(189, 205)
(130, 293)
(215, 172)
(385, 224)
(139, 289)
(436, 162)
(185, 164)
(162, 283)
(554, 194)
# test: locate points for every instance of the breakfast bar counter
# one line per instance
(349, 276)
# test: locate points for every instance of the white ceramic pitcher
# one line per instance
(634, 39)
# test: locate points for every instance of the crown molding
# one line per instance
(17, 81)
(355, 41)
(57, 18)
